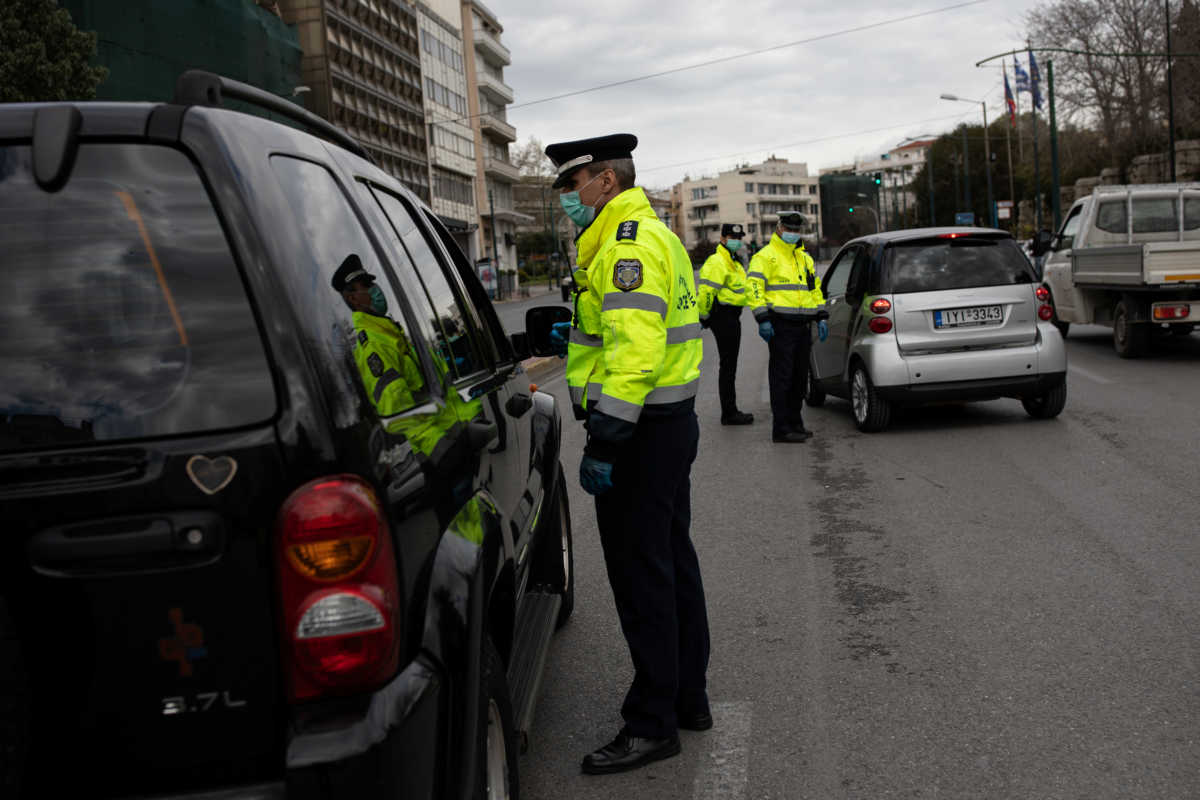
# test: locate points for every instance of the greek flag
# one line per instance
(1021, 76)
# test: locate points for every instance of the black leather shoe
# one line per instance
(738, 418)
(792, 437)
(629, 752)
(699, 721)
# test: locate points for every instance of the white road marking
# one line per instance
(725, 773)
(1091, 376)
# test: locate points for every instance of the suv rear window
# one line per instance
(931, 265)
(123, 313)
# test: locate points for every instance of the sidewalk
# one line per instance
(535, 290)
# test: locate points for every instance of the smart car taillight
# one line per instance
(339, 590)
(1045, 312)
(880, 325)
(881, 306)
(1042, 294)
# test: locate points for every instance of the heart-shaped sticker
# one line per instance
(211, 475)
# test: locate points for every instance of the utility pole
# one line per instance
(1055, 190)
(495, 252)
(1170, 91)
(987, 163)
(966, 173)
(1012, 192)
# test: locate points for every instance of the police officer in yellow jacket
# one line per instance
(382, 352)
(785, 295)
(722, 294)
(636, 334)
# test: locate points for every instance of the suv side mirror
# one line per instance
(538, 322)
(1042, 242)
(520, 345)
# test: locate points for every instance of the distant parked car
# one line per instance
(934, 315)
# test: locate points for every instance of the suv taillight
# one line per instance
(338, 587)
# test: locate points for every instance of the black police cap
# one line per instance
(733, 231)
(570, 156)
(350, 271)
(793, 218)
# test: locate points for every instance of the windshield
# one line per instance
(931, 265)
(123, 314)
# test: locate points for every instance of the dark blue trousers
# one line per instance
(787, 372)
(655, 575)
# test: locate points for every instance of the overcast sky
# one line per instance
(835, 90)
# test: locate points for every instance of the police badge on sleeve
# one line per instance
(627, 274)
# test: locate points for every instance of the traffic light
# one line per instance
(878, 178)
(851, 209)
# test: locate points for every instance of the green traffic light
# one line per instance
(851, 209)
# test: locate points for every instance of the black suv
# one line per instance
(228, 567)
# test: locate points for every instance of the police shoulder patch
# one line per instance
(375, 364)
(627, 274)
(627, 230)
(362, 337)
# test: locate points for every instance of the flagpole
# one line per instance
(1037, 177)
(1020, 132)
(1012, 121)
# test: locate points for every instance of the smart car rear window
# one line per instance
(931, 265)
(123, 314)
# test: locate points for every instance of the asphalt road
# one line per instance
(512, 312)
(973, 604)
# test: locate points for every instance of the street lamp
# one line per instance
(987, 153)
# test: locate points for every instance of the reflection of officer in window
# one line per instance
(384, 356)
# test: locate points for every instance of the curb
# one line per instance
(538, 368)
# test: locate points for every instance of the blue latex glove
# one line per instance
(822, 330)
(560, 333)
(766, 330)
(595, 476)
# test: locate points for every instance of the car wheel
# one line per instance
(814, 396)
(555, 568)
(1130, 339)
(497, 773)
(1047, 405)
(14, 708)
(871, 412)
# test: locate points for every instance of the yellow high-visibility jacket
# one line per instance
(640, 278)
(386, 363)
(783, 281)
(721, 279)
(583, 348)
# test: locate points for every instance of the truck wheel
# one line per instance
(497, 745)
(14, 708)
(814, 396)
(1047, 405)
(555, 567)
(1130, 339)
(872, 413)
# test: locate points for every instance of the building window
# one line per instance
(749, 188)
(812, 189)
(812, 209)
(454, 188)
(750, 209)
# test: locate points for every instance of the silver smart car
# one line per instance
(936, 315)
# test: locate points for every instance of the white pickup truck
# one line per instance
(1129, 257)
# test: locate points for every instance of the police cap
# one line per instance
(733, 231)
(570, 156)
(792, 219)
(350, 271)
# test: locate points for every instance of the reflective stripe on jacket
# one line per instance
(782, 280)
(641, 279)
(721, 279)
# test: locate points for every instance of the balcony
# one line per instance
(490, 48)
(504, 171)
(494, 88)
(493, 124)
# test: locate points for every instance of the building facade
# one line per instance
(488, 97)
(362, 66)
(452, 153)
(753, 195)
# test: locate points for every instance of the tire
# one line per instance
(14, 708)
(555, 567)
(872, 413)
(814, 396)
(1130, 339)
(496, 778)
(1047, 405)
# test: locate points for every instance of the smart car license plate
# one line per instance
(966, 317)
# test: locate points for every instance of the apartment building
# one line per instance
(488, 97)
(362, 66)
(753, 195)
(452, 151)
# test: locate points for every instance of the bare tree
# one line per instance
(530, 157)
(1123, 95)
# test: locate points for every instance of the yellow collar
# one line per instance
(629, 204)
